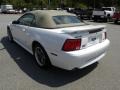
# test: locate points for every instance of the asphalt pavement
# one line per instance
(18, 69)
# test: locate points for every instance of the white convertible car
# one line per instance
(59, 38)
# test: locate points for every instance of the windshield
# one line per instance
(109, 9)
(66, 19)
(9, 7)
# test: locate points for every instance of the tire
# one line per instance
(10, 37)
(116, 21)
(95, 19)
(41, 56)
(107, 19)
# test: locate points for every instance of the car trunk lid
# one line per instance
(89, 34)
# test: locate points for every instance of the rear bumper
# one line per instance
(99, 17)
(81, 58)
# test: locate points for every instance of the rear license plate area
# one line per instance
(94, 39)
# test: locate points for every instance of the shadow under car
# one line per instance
(53, 76)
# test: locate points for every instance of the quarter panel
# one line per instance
(51, 41)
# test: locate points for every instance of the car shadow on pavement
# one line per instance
(53, 76)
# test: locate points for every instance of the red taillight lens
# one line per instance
(105, 35)
(72, 45)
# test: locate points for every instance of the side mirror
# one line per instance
(15, 22)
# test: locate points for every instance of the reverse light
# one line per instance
(72, 45)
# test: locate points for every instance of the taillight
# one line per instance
(105, 35)
(72, 45)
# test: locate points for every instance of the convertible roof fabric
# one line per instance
(44, 18)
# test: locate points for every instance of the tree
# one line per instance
(59, 3)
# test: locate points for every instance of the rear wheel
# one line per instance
(116, 21)
(95, 19)
(10, 37)
(41, 56)
(107, 19)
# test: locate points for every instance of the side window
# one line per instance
(27, 19)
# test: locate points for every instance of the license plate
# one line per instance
(93, 40)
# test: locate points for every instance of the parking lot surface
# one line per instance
(18, 69)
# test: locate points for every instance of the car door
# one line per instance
(28, 27)
(21, 31)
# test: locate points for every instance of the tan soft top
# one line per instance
(44, 18)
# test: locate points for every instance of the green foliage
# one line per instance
(57, 3)
(81, 5)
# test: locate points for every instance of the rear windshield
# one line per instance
(66, 19)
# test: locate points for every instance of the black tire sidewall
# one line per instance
(116, 21)
(10, 37)
(47, 61)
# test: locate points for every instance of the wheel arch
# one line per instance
(108, 14)
(33, 47)
(34, 43)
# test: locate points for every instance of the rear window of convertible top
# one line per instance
(66, 19)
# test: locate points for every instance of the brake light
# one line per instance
(72, 45)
